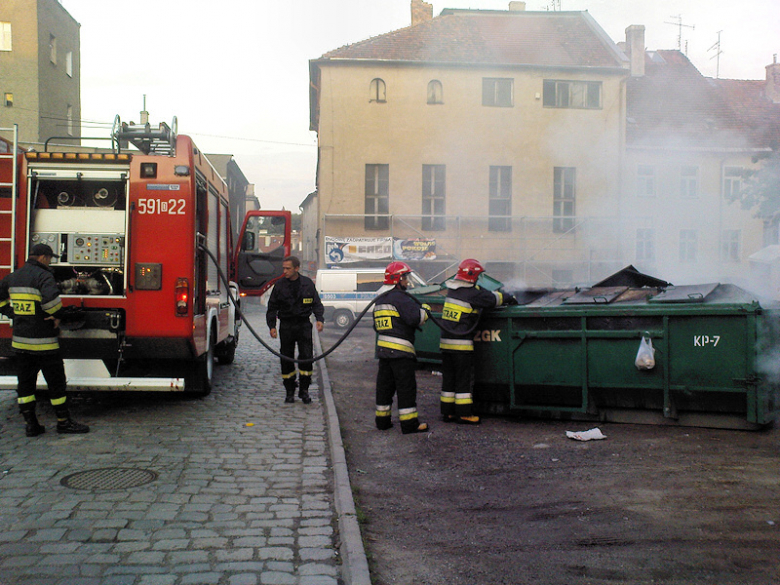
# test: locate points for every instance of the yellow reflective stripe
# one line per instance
(456, 344)
(35, 346)
(448, 397)
(407, 413)
(4, 303)
(383, 413)
(386, 313)
(287, 376)
(463, 399)
(499, 298)
(305, 372)
(52, 306)
(29, 295)
(26, 399)
(398, 346)
(58, 401)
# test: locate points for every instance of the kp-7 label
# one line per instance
(705, 340)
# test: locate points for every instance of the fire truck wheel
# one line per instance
(198, 379)
(343, 319)
(226, 351)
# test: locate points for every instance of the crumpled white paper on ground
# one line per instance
(591, 435)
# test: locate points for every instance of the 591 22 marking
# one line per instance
(161, 206)
(704, 340)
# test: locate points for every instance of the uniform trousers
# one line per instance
(27, 367)
(397, 375)
(457, 370)
(292, 333)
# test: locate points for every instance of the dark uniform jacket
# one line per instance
(461, 312)
(396, 318)
(29, 296)
(294, 300)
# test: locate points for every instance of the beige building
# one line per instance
(531, 141)
(490, 134)
(39, 61)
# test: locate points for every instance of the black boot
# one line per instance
(33, 428)
(289, 386)
(70, 427)
(304, 396)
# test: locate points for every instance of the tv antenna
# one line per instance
(717, 55)
(679, 24)
(554, 5)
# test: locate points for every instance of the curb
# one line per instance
(354, 562)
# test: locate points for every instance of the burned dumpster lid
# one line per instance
(596, 296)
(694, 293)
(630, 276)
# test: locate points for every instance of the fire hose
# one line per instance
(341, 339)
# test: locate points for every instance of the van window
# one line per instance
(369, 282)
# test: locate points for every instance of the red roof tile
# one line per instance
(552, 39)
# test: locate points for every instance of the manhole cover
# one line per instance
(110, 478)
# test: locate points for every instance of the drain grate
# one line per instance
(109, 478)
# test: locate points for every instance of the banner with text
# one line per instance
(346, 250)
(414, 249)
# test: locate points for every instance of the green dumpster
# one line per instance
(570, 354)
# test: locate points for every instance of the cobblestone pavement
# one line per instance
(243, 493)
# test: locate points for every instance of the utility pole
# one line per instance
(717, 55)
(679, 24)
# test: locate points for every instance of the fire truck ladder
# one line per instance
(160, 140)
(8, 215)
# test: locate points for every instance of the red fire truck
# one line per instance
(145, 240)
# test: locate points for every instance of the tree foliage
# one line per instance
(761, 188)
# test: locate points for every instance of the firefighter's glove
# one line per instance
(509, 299)
(427, 307)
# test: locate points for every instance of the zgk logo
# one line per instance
(24, 307)
(488, 335)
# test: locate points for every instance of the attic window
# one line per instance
(435, 92)
(377, 91)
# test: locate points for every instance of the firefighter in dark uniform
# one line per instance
(460, 314)
(396, 318)
(293, 299)
(31, 298)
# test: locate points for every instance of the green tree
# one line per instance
(761, 188)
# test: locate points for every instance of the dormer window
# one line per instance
(435, 92)
(377, 91)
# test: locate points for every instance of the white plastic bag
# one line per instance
(645, 357)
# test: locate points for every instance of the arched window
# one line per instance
(435, 92)
(377, 91)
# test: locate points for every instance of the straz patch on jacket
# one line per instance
(308, 300)
(23, 307)
(451, 313)
(382, 323)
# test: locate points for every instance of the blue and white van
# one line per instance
(345, 292)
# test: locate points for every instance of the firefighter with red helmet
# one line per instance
(396, 318)
(461, 311)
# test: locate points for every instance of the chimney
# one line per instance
(421, 12)
(635, 47)
(516, 6)
(773, 81)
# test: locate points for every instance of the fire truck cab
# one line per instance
(147, 262)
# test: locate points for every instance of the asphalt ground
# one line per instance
(236, 488)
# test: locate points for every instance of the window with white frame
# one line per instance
(377, 91)
(689, 181)
(498, 92)
(435, 92)
(433, 197)
(572, 94)
(645, 245)
(53, 49)
(377, 197)
(5, 36)
(730, 245)
(688, 245)
(645, 181)
(500, 202)
(69, 63)
(732, 182)
(564, 198)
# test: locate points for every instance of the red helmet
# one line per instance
(469, 270)
(394, 272)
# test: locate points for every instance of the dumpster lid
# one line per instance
(694, 293)
(630, 276)
(596, 296)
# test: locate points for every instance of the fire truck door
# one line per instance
(265, 243)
